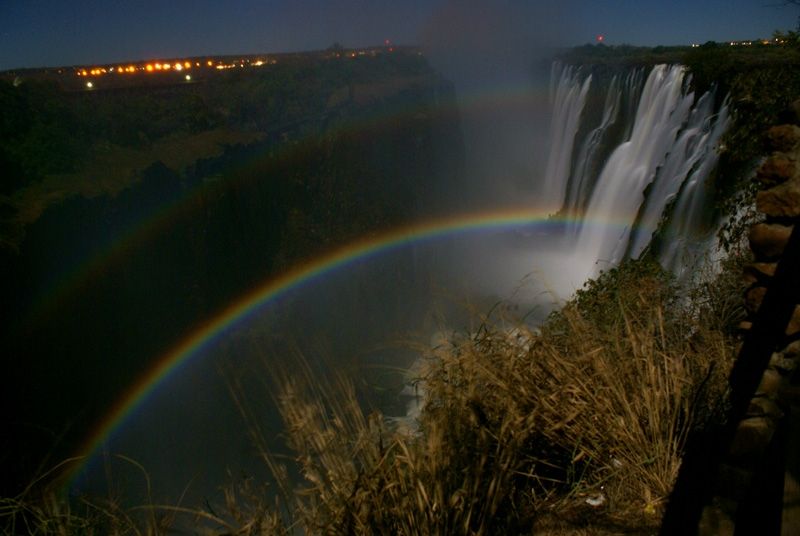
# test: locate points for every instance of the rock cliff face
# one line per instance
(101, 286)
(759, 472)
(778, 201)
(780, 175)
(763, 459)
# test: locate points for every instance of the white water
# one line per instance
(580, 182)
(684, 240)
(665, 159)
(568, 101)
(621, 100)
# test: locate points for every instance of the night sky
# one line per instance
(37, 33)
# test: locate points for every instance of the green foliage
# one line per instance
(37, 132)
(621, 55)
(760, 81)
(790, 38)
(45, 130)
(518, 425)
(518, 431)
(622, 284)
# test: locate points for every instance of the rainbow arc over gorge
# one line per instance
(204, 334)
(74, 279)
(239, 310)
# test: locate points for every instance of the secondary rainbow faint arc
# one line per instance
(76, 278)
(278, 285)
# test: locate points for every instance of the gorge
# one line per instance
(654, 144)
(327, 244)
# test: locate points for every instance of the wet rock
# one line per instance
(777, 168)
(732, 486)
(752, 437)
(759, 271)
(781, 201)
(764, 407)
(768, 240)
(753, 298)
(793, 113)
(770, 384)
(794, 323)
(792, 351)
(716, 522)
(783, 137)
(784, 365)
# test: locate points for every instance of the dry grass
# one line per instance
(43, 510)
(577, 428)
(93, 177)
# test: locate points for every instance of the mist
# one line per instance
(496, 54)
(365, 317)
(466, 143)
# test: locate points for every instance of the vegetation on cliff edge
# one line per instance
(575, 428)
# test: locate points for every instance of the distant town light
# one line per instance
(188, 77)
(178, 67)
(149, 68)
(601, 38)
(89, 85)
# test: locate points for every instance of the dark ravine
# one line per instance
(374, 158)
(377, 155)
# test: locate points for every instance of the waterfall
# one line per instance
(578, 188)
(683, 237)
(617, 192)
(615, 126)
(568, 101)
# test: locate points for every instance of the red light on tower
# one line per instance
(601, 38)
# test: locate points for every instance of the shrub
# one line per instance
(584, 421)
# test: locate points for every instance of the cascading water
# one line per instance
(682, 243)
(628, 152)
(663, 160)
(620, 101)
(568, 101)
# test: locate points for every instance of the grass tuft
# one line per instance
(575, 427)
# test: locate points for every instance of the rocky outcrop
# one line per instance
(768, 240)
(750, 481)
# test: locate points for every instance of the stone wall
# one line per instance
(756, 490)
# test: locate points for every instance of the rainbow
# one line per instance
(203, 335)
(209, 331)
(70, 283)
